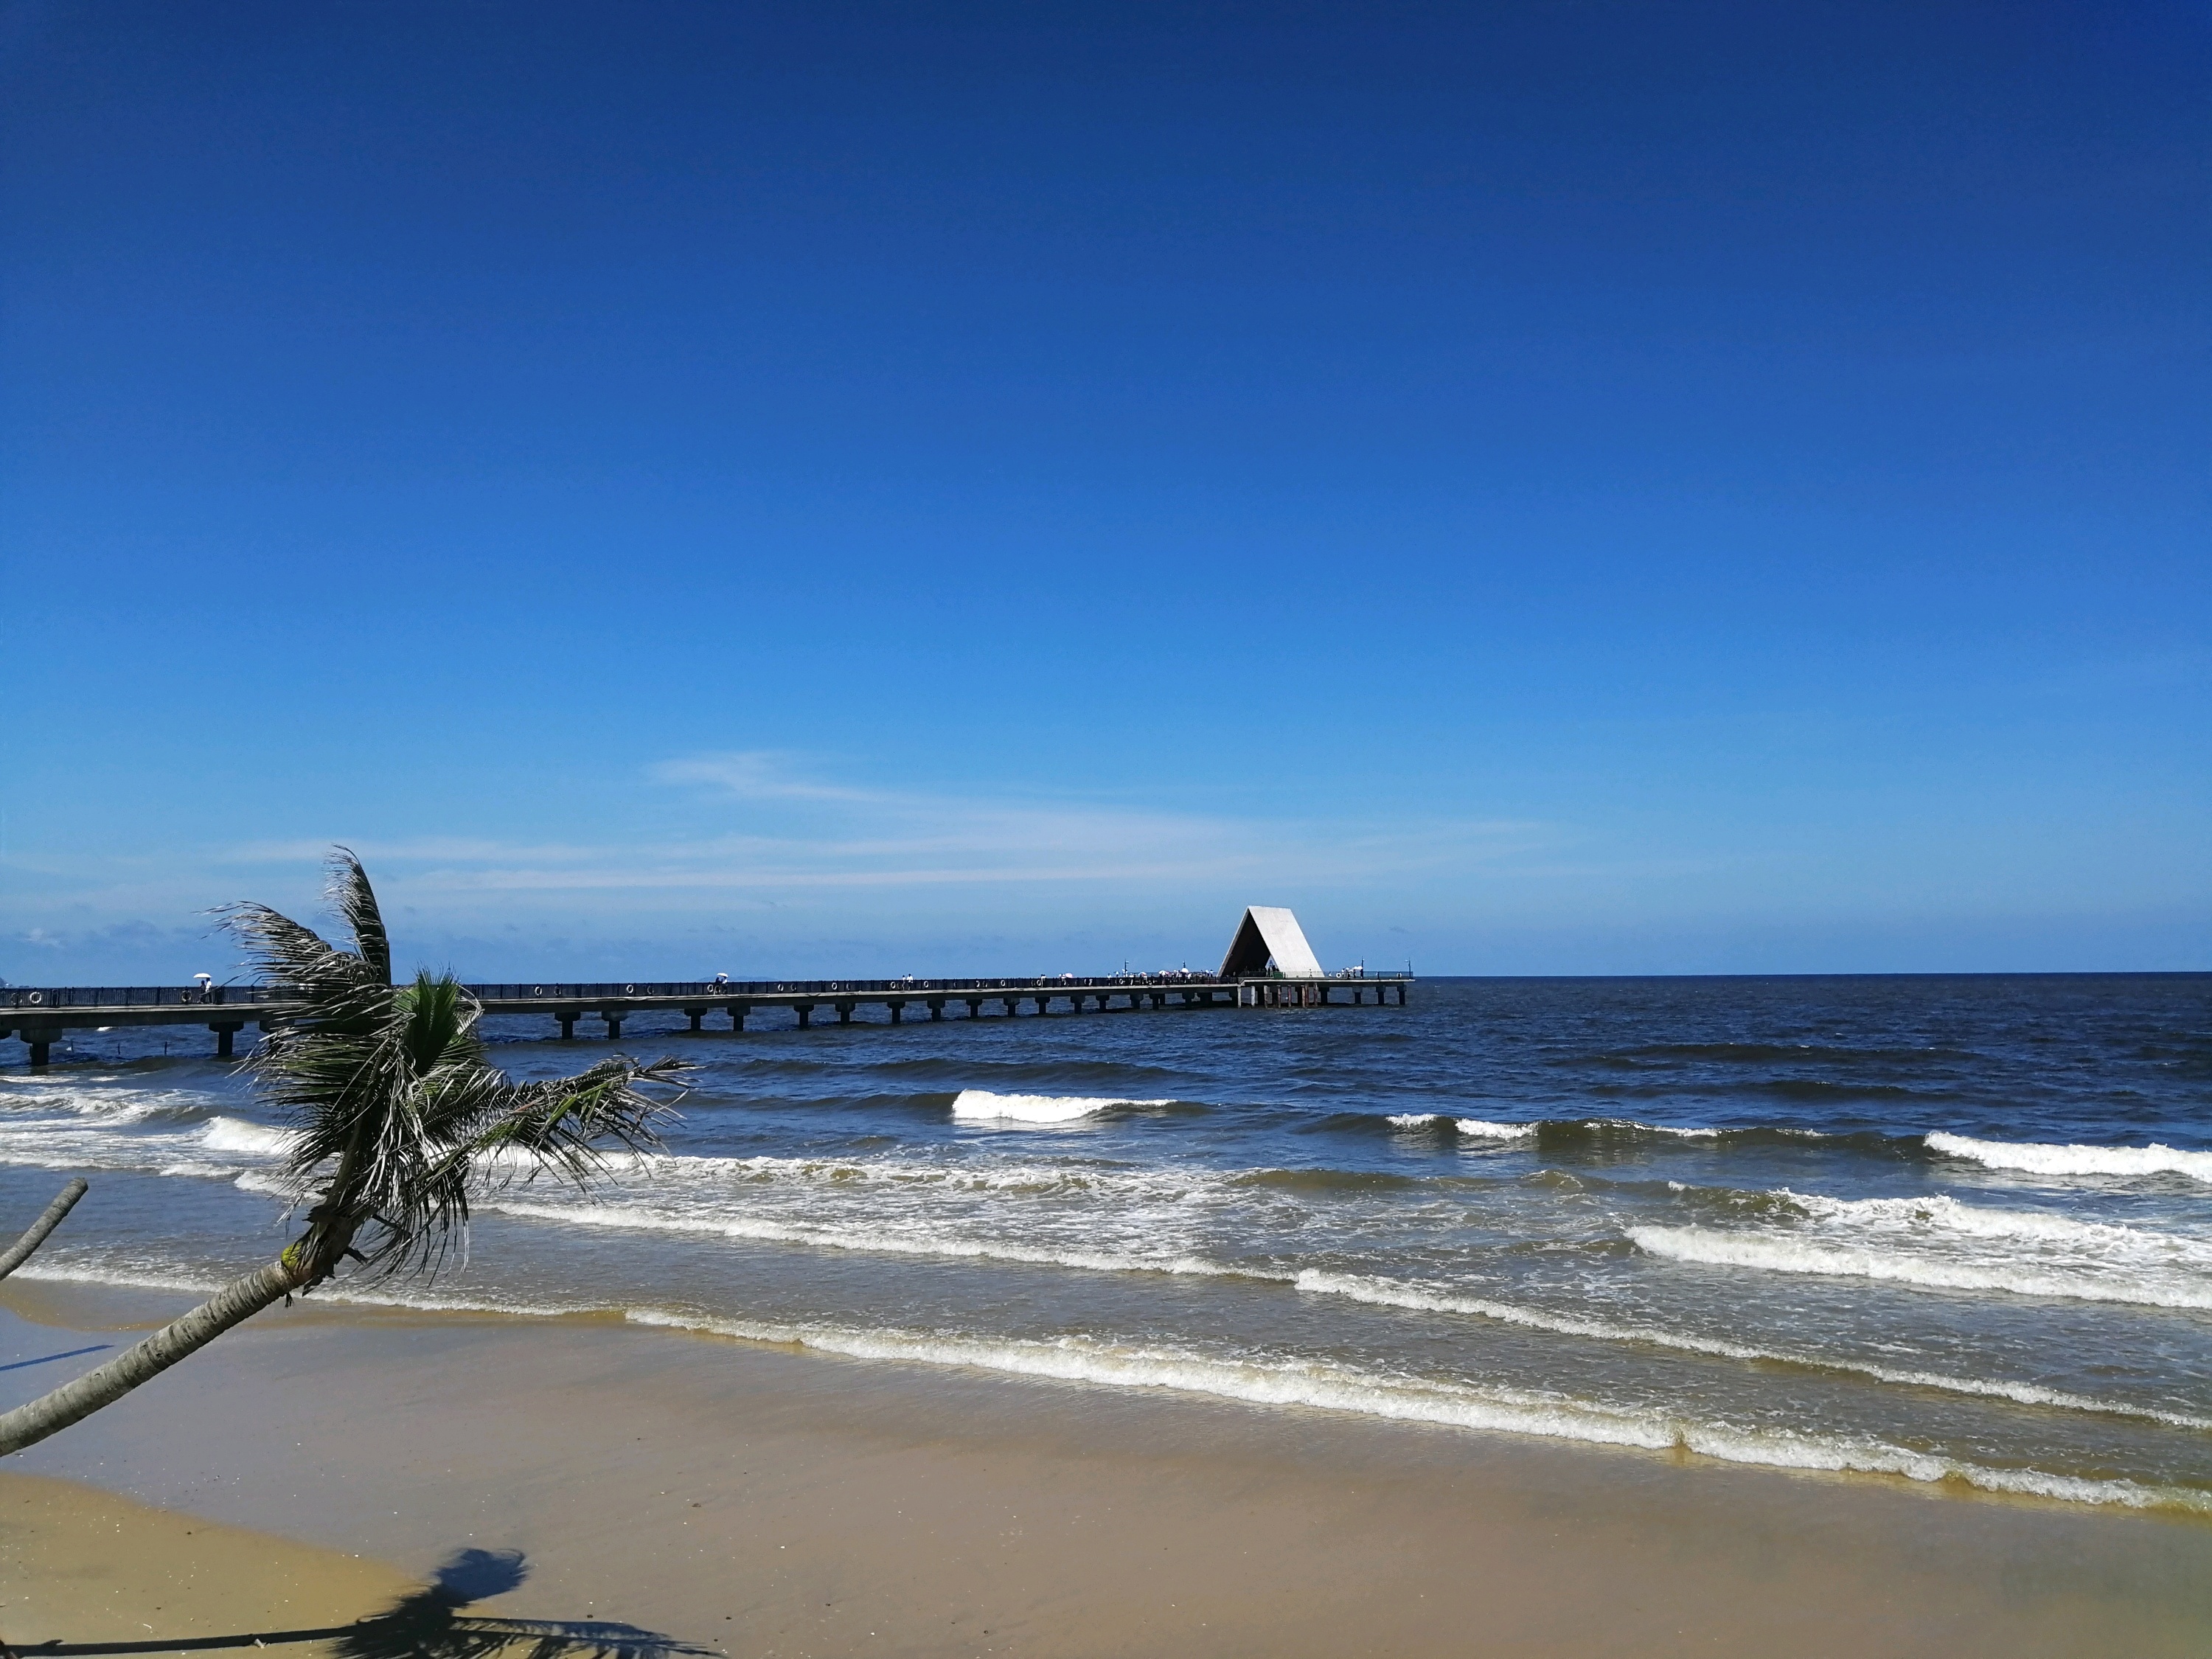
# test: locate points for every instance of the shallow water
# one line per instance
(1946, 1228)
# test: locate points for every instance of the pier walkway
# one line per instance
(37, 1015)
(1269, 965)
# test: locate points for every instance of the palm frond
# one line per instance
(355, 901)
(282, 952)
(397, 1115)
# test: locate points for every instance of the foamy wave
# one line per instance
(1317, 1385)
(1475, 1128)
(1478, 1128)
(2018, 1273)
(916, 1170)
(352, 1295)
(137, 1106)
(132, 1278)
(235, 1134)
(885, 1241)
(1392, 1294)
(1327, 1387)
(2037, 1157)
(981, 1106)
(1941, 1211)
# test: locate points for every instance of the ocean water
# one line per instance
(1941, 1228)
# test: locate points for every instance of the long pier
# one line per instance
(37, 1015)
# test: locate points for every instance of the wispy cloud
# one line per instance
(762, 828)
(759, 774)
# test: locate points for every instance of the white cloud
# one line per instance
(754, 833)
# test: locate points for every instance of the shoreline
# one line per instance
(720, 1491)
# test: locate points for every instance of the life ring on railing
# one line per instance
(36, 998)
(629, 990)
(538, 990)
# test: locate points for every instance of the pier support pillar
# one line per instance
(223, 1034)
(1012, 1005)
(845, 1013)
(1044, 1004)
(37, 1043)
(974, 1007)
(737, 1017)
(936, 1007)
(567, 1027)
(806, 1012)
(898, 1012)
(614, 1027)
(1401, 996)
(697, 1014)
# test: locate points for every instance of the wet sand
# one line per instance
(773, 1503)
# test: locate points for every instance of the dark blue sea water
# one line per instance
(1947, 1229)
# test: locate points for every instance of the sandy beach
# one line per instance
(758, 1501)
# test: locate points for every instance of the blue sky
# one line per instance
(1554, 488)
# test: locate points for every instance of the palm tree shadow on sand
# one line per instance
(430, 1625)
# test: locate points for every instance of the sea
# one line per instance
(1943, 1230)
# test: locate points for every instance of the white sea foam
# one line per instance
(1318, 1385)
(2162, 1275)
(881, 1239)
(133, 1106)
(2036, 1158)
(235, 1134)
(1477, 1129)
(1391, 1293)
(136, 1279)
(1327, 1386)
(981, 1106)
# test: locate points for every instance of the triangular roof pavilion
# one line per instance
(1269, 933)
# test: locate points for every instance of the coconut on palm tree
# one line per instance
(396, 1118)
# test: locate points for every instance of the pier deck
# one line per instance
(37, 1015)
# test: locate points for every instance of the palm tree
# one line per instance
(397, 1118)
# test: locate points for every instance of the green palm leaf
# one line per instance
(398, 1120)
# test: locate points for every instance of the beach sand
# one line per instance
(769, 1502)
(82, 1564)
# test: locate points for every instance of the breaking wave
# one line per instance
(1939, 1244)
(1475, 1128)
(888, 1240)
(2035, 1158)
(981, 1106)
(233, 1134)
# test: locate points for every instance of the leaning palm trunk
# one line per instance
(395, 1118)
(237, 1301)
(19, 1252)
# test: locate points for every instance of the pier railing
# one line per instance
(39, 1014)
(30, 996)
(49, 999)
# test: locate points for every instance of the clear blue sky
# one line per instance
(1539, 488)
